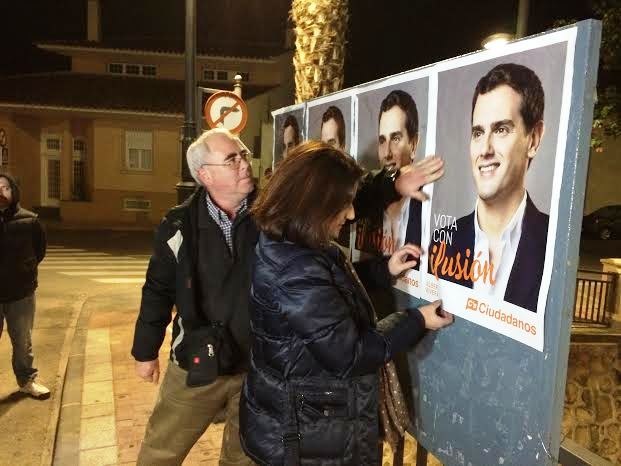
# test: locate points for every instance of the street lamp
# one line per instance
(496, 40)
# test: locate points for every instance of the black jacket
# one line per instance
(22, 247)
(173, 278)
(527, 271)
(316, 355)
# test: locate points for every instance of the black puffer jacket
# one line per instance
(22, 247)
(316, 356)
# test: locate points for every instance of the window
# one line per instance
(148, 70)
(132, 69)
(216, 75)
(139, 150)
(140, 205)
(53, 144)
(78, 191)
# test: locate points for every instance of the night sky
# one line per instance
(385, 36)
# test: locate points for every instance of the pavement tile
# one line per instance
(97, 432)
(98, 392)
(99, 456)
(128, 455)
(98, 372)
(96, 358)
(124, 423)
(98, 409)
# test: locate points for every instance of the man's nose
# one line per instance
(486, 145)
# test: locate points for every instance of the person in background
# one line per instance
(22, 248)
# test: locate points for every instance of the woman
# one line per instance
(312, 391)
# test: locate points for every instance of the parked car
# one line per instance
(603, 223)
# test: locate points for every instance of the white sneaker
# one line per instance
(35, 389)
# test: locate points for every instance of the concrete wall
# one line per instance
(24, 155)
(108, 181)
(110, 170)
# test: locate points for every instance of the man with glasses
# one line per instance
(201, 264)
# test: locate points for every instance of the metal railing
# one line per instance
(595, 297)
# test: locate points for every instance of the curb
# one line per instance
(47, 456)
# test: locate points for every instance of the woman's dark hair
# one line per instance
(307, 190)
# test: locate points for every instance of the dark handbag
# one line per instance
(203, 348)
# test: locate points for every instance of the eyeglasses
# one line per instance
(232, 160)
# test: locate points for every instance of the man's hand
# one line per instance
(435, 317)
(148, 370)
(403, 259)
(413, 177)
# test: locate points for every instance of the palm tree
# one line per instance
(320, 28)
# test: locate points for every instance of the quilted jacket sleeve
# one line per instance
(158, 298)
(320, 313)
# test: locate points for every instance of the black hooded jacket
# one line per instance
(22, 247)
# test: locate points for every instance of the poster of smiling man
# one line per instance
(501, 127)
(391, 134)
(330, 120)
(288, 130)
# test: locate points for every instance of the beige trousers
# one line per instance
(182, 414)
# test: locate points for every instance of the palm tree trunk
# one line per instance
(320, 29)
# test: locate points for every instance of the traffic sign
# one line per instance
(226, 110)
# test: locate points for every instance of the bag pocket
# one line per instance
(203, 349)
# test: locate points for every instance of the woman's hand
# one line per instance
(403, 259)
(435, 317)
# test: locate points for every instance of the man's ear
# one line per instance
(204, 175)
(536, 135)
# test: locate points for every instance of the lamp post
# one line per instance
(186, 186)
(522, 19)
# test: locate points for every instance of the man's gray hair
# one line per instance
(199, 150)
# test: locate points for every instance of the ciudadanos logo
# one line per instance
(488, 311)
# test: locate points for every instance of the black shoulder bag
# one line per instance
(204, 344)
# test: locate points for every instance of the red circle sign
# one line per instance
(226, 110)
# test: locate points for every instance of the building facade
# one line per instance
(98, 146)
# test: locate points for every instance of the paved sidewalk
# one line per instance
(105, 406)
